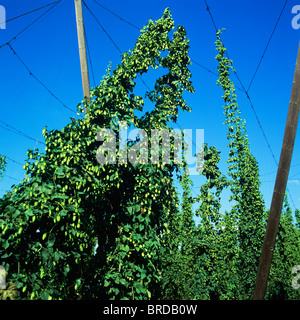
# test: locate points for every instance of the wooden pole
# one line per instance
(82, 51)
(280, 187)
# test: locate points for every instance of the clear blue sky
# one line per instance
(49, 49)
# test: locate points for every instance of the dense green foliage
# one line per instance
(77, 229)
(225, 247)
(69, 203)
(285, 256)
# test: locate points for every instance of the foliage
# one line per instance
(10, 292)
(68, 204)
(286, 255)
(78, 228)
(248, 210)
(225, 247)
(178, 263)
(207, 234)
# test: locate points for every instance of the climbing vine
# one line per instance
(75, 228)
(248, 211)
(98, 215)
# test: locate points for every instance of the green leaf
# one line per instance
(16, 214)
(130, 210)
(60, 173)
(5, 245)
(57, 255)
(29, 212)
(44, 295)
(143, 274)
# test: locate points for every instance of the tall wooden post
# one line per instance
(82, 51)
(280, 187)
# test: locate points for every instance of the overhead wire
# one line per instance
(114, 43)
(216, 29)
(247, 94)
(293, 176)
(207, 69)
(194, 61)
(89, 56)
(265, 50)
(24, 14)
(19, 132)
(245, 91)
(7, 126)
(126, 21)
(6, 176)
(110, 38)
(29, 25)
(14, 161)
(212, 72)
(101, 26)
(272, 172)
(134, 26)
(38, 80)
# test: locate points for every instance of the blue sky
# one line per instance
(49, 49)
